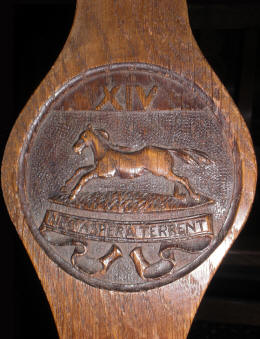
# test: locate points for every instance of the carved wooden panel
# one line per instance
(128, 177)
(129, 170)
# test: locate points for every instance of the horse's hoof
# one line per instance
(196, 197)
(72, 197)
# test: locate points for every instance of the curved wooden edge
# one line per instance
(80, 310)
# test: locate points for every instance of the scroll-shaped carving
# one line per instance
(192, 235)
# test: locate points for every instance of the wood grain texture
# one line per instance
(107, 32)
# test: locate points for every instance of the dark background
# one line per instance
(32, 35)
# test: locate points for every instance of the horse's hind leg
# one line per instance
(81, 183)
(185, 182)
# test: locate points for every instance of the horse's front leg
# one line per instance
(72, 178)
(81, 183)
(77, 172)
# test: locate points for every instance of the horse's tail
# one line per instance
(191, 156)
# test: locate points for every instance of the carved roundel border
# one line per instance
(113, 76)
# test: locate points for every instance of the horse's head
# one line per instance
(85, 139)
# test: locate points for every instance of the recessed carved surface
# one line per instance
(128, 177)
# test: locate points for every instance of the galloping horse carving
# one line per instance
(113, 160)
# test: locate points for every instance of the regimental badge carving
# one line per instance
(128, 177)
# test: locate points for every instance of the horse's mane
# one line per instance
(104, 136)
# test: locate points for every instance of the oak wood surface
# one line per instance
(148, 32)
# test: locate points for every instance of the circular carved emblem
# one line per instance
(128, 177)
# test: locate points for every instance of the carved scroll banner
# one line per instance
(115, 231)
(129, 176)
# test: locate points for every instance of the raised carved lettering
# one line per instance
(110, 97)
(106, 230)
(146, 99)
